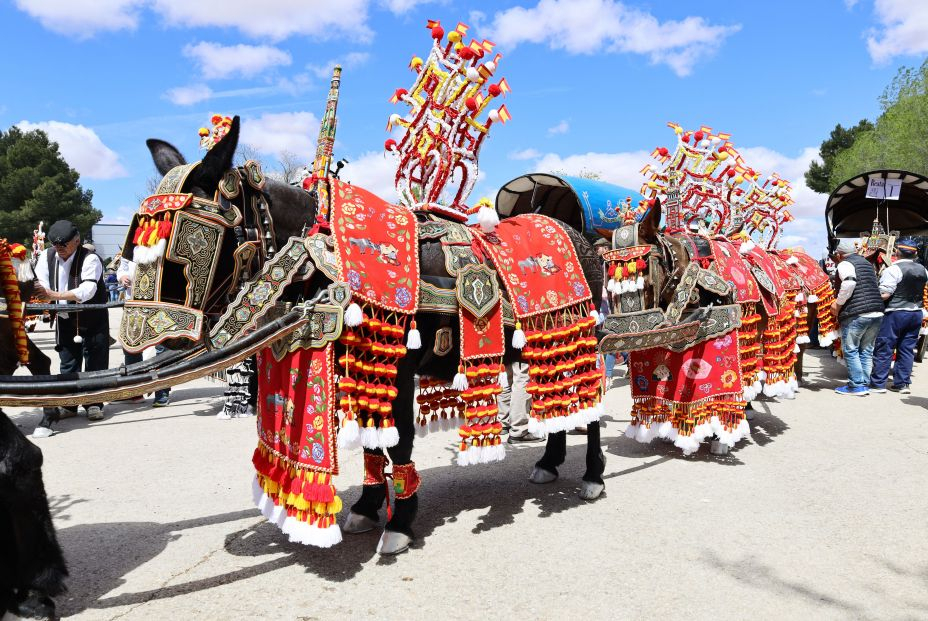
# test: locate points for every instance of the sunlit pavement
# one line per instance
(821, 514)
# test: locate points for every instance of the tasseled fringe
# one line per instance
(353, 316)
(518, 337)
(413, 339)
(488, 219)
(460, 381)
(349, 436)
(554, 424)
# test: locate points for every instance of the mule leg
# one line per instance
(798, 367)
(404, 510)
(593, 485)
(365, 513)
(545, 470)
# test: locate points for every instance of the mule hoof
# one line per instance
(356, 524)
(392, 542)
(590, 490)
(540, 475)
(718, 448)
(42, 432)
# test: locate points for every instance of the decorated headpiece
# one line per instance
(211, 137)
(707, 187)
(443, 135)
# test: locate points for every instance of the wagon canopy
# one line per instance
(585, 204)
(849, 212)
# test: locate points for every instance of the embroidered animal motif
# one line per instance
(386, 253)
(662, 373)
(543, 263)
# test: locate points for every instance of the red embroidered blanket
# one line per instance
(710, 369)
(731, 267)
(810, 272)
(296, 455)
(537, 263)
(377, 246)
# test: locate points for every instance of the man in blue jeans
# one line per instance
(901, 285)
(859, 308)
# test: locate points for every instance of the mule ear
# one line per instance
(165, 155)
(218, 159)
(650, 226)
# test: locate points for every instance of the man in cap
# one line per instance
(68, 273)
(902, 286)
(859, 308)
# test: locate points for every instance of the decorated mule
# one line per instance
(712, 314)
(399, 291)
(32, 568)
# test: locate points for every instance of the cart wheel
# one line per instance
(920, 348)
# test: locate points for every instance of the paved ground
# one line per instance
(822, 514)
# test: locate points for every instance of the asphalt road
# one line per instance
(822, 514)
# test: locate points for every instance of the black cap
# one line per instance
(61, 232)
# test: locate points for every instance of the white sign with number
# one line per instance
(884, 188)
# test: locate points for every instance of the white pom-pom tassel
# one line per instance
(460, 381)
(414, 338)
(518, 337)
(746, 246)
(610, 286)
(800, 297)
(813, 299)
(353, 316)
(792, 261)
(349, 435)
(487, 218)
(78, 338)
(639, 283)
(595, 315)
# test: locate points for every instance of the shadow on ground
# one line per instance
(103, 554)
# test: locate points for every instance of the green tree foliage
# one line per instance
(899, 138)
(820, 177)
(36, 184)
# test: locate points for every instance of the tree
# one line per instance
(899, 138)
(36, 184)
(819, 177)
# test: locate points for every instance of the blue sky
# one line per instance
(594, 81)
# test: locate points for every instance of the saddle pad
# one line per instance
(731, 267)
(810, 272)
(377, 247)
(537, 263)
(709, 369)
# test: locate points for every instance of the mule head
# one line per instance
(207, 228)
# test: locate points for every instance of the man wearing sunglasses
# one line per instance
(68, 273)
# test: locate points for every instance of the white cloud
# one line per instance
(83, 18)
(596, 26)
(224, 61)
(561, 128)
(374, 171)
(81, 148)
(285, 131)
(623, 169)
(618, 168)
(189, 95)
(399, 7)
(349, 61)
(525, 154)
(276, 20)
(903, 30)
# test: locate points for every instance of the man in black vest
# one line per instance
(859, 308)
(68, 273)
(902, 286)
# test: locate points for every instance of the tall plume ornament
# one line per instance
(324, 146)
(712, 190)
(437, 153)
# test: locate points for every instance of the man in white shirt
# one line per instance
(68, 273)
(901, 286)
(860, 310)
